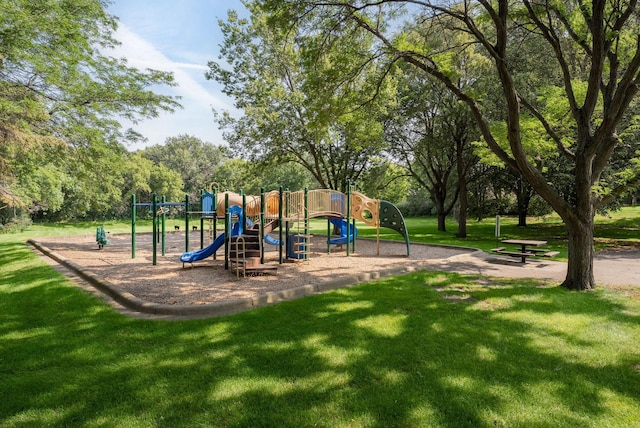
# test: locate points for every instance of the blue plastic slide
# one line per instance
(342, 224)
(193, 256)
(267, 238)
(270, 240)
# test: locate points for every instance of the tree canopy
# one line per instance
(62, 95)
(592, 64)
(289, 113)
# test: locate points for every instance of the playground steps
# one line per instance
(244, 255)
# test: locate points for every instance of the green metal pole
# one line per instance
(280, 225)
(164, 225)
(155, 228)
(227, 231)
(201, 219)
(133, 226)
(262, 224)
(353, 245)
(328, 236)
(243, 217)
(348, 217)
(186, 223)
(306, 223)
(214, 208)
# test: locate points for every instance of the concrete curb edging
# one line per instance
(230, 307)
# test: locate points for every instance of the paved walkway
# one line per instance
(610, 268)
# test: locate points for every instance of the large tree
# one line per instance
(594, 48)
(289, 113)
(431, 133)
(62, 94)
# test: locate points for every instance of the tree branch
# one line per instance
(564, 150)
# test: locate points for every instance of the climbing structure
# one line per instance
(279, 209)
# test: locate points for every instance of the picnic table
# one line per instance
(525, 249)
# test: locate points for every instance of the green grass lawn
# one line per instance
(426, 349)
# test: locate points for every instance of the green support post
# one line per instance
(133, 226)
(329, 236)
(155, 228)
(243, 217)
(280, 219)
(227, 231)
(353, 188)
(164, 225)
(262, 224)
(214, 208)
(186, 223)
(201, 219)
(306, 223)
(348, 217)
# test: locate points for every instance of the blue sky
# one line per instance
(180, 37)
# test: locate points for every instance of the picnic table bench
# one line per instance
(524, 251)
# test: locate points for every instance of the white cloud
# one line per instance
(197, 94)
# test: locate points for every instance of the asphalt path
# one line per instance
(616, 267)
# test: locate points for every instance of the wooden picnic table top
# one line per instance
(533, 243)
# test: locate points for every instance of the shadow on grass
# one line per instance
(388, 353)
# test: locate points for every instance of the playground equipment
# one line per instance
(101, 237)
(159, 212)
(193, 256)
(249, 220)
(280, 210)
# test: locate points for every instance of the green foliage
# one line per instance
(535, 140)
(197, 162)
(387, 181)
(137, 176)
(297, 104)
(166, 182)
(60, 93)
(292, 176)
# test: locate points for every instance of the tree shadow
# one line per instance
(385, 353)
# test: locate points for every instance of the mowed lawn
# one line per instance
(426, 349)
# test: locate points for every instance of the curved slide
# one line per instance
(270, 240)
(342, 224)
(194, 256)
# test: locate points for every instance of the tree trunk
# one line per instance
(462, 215)
(463, 204)
(522, 217)
(463, 193)
(441, 221)
(580, 246)
(523, 196)
(441, 213)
